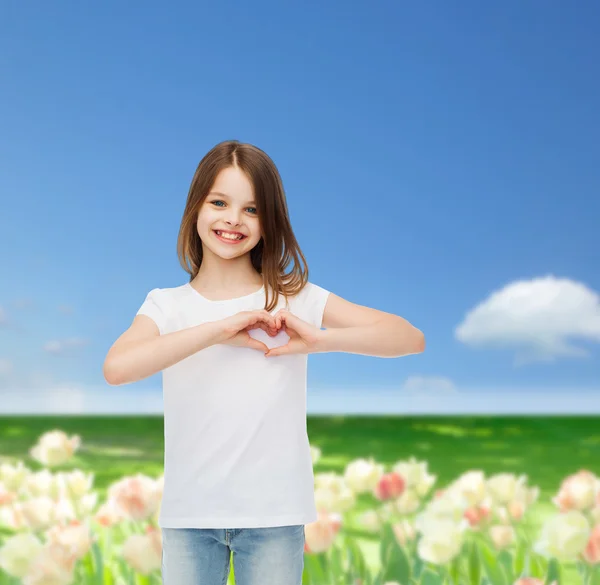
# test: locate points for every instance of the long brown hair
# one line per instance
(278, 246)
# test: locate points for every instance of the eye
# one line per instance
(215, 201)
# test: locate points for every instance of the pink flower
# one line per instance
(137, 497)
(516, 509)
(319, 535)
(577, 492)
(476, 515)
(592, 551)
(390, 486)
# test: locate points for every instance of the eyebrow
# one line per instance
(227, 197)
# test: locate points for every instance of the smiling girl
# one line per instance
(232, 346)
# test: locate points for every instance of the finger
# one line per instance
(255, 344)
(287, 316)
(281, 350)
(265, 317)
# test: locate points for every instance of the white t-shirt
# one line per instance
(237, 453)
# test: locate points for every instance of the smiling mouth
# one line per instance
(229, 236)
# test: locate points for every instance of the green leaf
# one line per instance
(315, 568)
(519, 561)
(417, 568)
(454, 570)
(594, 576)
(429, 577)
(98, 565)
(505, 559)
(493, 569)
(358, 565)
(536, 566)
(553, 573)
(474, 565)
(108, 576)
(336, 570)
(394, 562)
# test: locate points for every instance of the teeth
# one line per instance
(229, 236)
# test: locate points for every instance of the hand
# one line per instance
(304, 337)
(236, 327)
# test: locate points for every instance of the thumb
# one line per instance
(280, 350)
(255, 344)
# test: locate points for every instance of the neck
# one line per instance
(220, 273)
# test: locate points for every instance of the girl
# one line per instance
(232, 344)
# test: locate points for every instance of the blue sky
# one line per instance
(440, 163)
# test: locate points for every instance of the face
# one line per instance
(229, 210)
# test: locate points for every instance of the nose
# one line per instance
(233, 220)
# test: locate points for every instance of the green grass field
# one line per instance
(545, 448)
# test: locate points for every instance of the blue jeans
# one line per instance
(261, 556)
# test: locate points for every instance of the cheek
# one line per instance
(204, 221)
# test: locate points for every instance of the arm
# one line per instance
(141, 351)
(353, 328)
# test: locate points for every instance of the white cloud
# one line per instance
(78, 399)
(486, 401)
(6, 367)
(61, 346)
(429, 385)
(73, 399)
(537, 318)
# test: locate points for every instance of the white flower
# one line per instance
(17, 553)
(415, 475)
(502, 535)
(53, 565)
(447, 507)
(12, 476)
(75, 537)
(12, 516)
(441, 543)
(76, 483)
(55, 448)
(39, 513)
(503, 487)
(408, 502)
(332, 500)
(471, 486)
(564, 536)
(332, 494)
(143, 551)
(40, 483)
(64, 510)
(362, 475)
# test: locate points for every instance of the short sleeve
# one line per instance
(315, 299)
(154, 307)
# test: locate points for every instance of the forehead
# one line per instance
(232, 183)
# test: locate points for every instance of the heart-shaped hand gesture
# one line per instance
(304, 336)
(236, 329)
